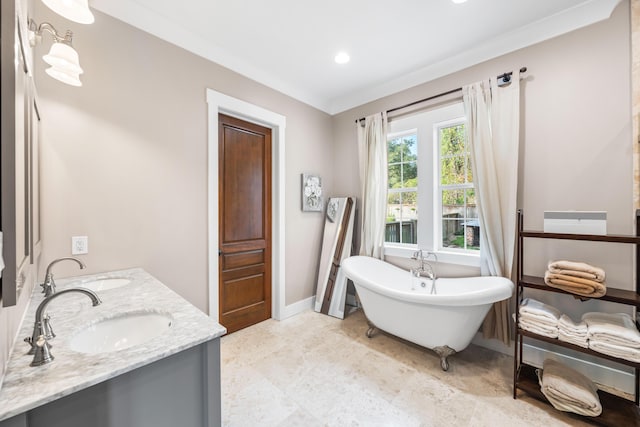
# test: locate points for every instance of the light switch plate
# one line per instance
(79, 245)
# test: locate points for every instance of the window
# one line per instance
(402, 196)
(437, 184)
(459, 226)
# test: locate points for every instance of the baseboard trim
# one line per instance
(534, 356)
(297, 308)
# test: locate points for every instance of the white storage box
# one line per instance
(575, 222)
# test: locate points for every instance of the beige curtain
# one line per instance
(372, 153)
(493, 115)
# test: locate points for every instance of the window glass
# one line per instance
(430, 175)
(402, 200)
(459, 225)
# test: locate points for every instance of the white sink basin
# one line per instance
(120, 332)
(105, 284)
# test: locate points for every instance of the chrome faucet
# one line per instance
(425, 267)
(42, 330)
(420, 256)
(49, 286)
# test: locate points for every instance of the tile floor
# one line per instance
(314, 370)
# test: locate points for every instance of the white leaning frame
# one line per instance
(220, 103)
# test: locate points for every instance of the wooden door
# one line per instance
(244, 223)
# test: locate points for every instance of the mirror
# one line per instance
(331, 290)
(19, 158)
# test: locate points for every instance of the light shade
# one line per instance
(63, 57)
(65, 65)
(65, 76)
(74, 10)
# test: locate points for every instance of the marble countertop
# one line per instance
(25, 387)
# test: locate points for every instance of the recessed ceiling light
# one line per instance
(458, 1)
(342, 58)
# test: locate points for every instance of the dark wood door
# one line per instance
(244, 223)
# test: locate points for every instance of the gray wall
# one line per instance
(575, 140)
(125, 159)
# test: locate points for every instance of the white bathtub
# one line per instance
(444, 320)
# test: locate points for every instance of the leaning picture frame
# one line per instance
(312, 197)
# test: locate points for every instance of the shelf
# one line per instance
(614, 295)
(557, 342)
(616, 411)
(615, 238)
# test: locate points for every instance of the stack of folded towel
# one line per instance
(568, 390)
(538, 317)
(613, 334)
(577, 278)
(571, 332)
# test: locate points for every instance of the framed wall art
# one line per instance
(311, 193)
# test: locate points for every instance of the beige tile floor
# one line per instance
(314, 370)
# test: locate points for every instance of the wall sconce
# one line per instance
(74, 10)
(65, 65)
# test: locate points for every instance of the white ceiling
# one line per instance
(289, 45)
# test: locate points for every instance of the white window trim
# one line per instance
(426, 180)
(438, 188)
(390, 137)
(447, 257)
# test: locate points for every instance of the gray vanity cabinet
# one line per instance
(180, 390)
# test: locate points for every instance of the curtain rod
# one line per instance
(506, 78)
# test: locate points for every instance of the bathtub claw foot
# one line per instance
(444, 352)
(371, 331)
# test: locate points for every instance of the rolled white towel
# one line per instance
(568, 390)
(569, 327)
(620, 351)
(618, 328)
(540, 329)
(540, 310)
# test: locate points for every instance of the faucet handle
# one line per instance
(48, 286)
(42, 354)
(47, 329)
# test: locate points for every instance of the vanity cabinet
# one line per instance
(180, 390)
(167, 379)
(616, 411)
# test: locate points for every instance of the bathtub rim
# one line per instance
(502, 290)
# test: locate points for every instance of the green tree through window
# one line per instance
(460, 227)
(402, 207)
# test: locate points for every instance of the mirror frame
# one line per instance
(19, 157)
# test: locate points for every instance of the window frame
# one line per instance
(391, 137)
(428, 179)
(439, 187)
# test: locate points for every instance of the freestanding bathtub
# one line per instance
(442, 314)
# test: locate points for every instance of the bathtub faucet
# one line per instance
(423, 265)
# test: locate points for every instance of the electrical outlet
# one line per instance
(79, 245)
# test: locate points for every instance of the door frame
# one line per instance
(220, 103)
